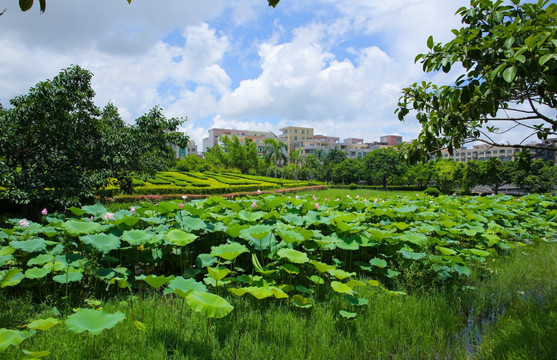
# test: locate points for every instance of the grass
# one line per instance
(511, 314)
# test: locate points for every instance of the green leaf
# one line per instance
(72, 276)
(462, 270)
(301, 302)
(291, 269)
(180, 237)
(11, 337)
(96, 210)
(190, 223)
(157, 281)
(340, 274)
(93, 321)
(509, 74)
(341, 288)
(257, 231)
(356, 301)
(36, 354)
(25, 5)
(430, 42)
(36, 273)
(104, 243)
(137, 237)
(218, 273)
(347, 315)
(185, 285)
(294, 256)
(77, 228)
(44, 324)
(30, 246)
(10, 277)
(412, 255)
(321, 267)
(229, 251)
(378, 262)
(209, 305)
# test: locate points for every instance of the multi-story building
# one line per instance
(181, 152)
(485, 152)
(391, 140)
(318, 143)
(356, 148)
(258, 137)
(293, 136)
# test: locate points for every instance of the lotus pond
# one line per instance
(292, 251)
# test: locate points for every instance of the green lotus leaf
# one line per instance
(412, 255)
(36, 273)
(340, 274)
(93, 321)
(210, 305)
(304, 289)
(291, 269)
(353, 283)
(157, 281)
(127, 220)
(301, 302)
(257, 231)
(30, 246)
(205, 260)
(446, 251)
(373, 282)
(278, 293)
(356, 301)
(49, 231)
(4, 259)
(401, 225)
(36, 354)
(97, 209)
(12, 337)
(137, 237)
(290, 236)
(43, 324)
(347, 315)
(179, 283)
(76, 211)
(234, 229)
(341, 288)
(102, 242)
(462, 270)
(293, 219)
(71, 276)
(11, 277)
(229, 251)
(77, 228)
(259, 292)
(190, 223)
(316, 279)
(250, 216)
(257, 266)
(378, 262)
(218, 273)
(237, 291)
(180, 237)
(268, 242)
(321, 267)
(476, 252)
(294, 256)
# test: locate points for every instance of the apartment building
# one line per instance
(485, 152)
(293, 137)
(391, 140)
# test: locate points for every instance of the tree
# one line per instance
(58, 149)
(275, 152)
(508, 54)
(448, 175)
(383, 165)
(495, 173)
(349, 171)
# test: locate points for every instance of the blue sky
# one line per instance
(335, 65)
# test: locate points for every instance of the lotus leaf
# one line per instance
(157, 281)
(321, 267)
(77, 228)
(229, 251)
(341, 288)
(218, 273)
(347, 315)
(184, 285)
(278, 293)
(378, 262)
(340, 274)
(446, 251)
(356, 301)
(11, 337)
(36, 273)
(257, 231)
(316, 279)
(373, 282)
(250, 216)
(4, 259)
(93, 321)
(353, 283)
(209, 305)
(304, 289)
(290, 236)
(412, 255)
(205, 260)
(70, 276)
(43, 324)
(180, 237)
(11, 277)
(30, 246)
(462, 270)
(190, 223)
(294, 256)
(137, 237)
(291, 269)
(102, 242)
(301, 302)
(97, 209)
(139, 325)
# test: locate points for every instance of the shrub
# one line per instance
(432, 191)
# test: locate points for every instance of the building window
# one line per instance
(295, 131)
(295, 138)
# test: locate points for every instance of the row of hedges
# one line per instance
(379, 187)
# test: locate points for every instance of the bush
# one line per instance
(352, 186)
(432, 191)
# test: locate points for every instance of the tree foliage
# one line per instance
(58, 149)
(508, 54)
(383, 165)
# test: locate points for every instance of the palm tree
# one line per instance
(275, 152)
(296, 159)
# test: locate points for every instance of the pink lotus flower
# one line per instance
(316, 205)
(365, 200)
(132, 209)
(108, 216)
(314, 198)
(348, 196)
(338, 199)
(297, 197)
(91, 217)
(326, 199)
(357, 196)
(375, 201)
(181, 205)
(24, 223)
(254, 204)
(258, 191)
(44, 212)
(382, 201)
